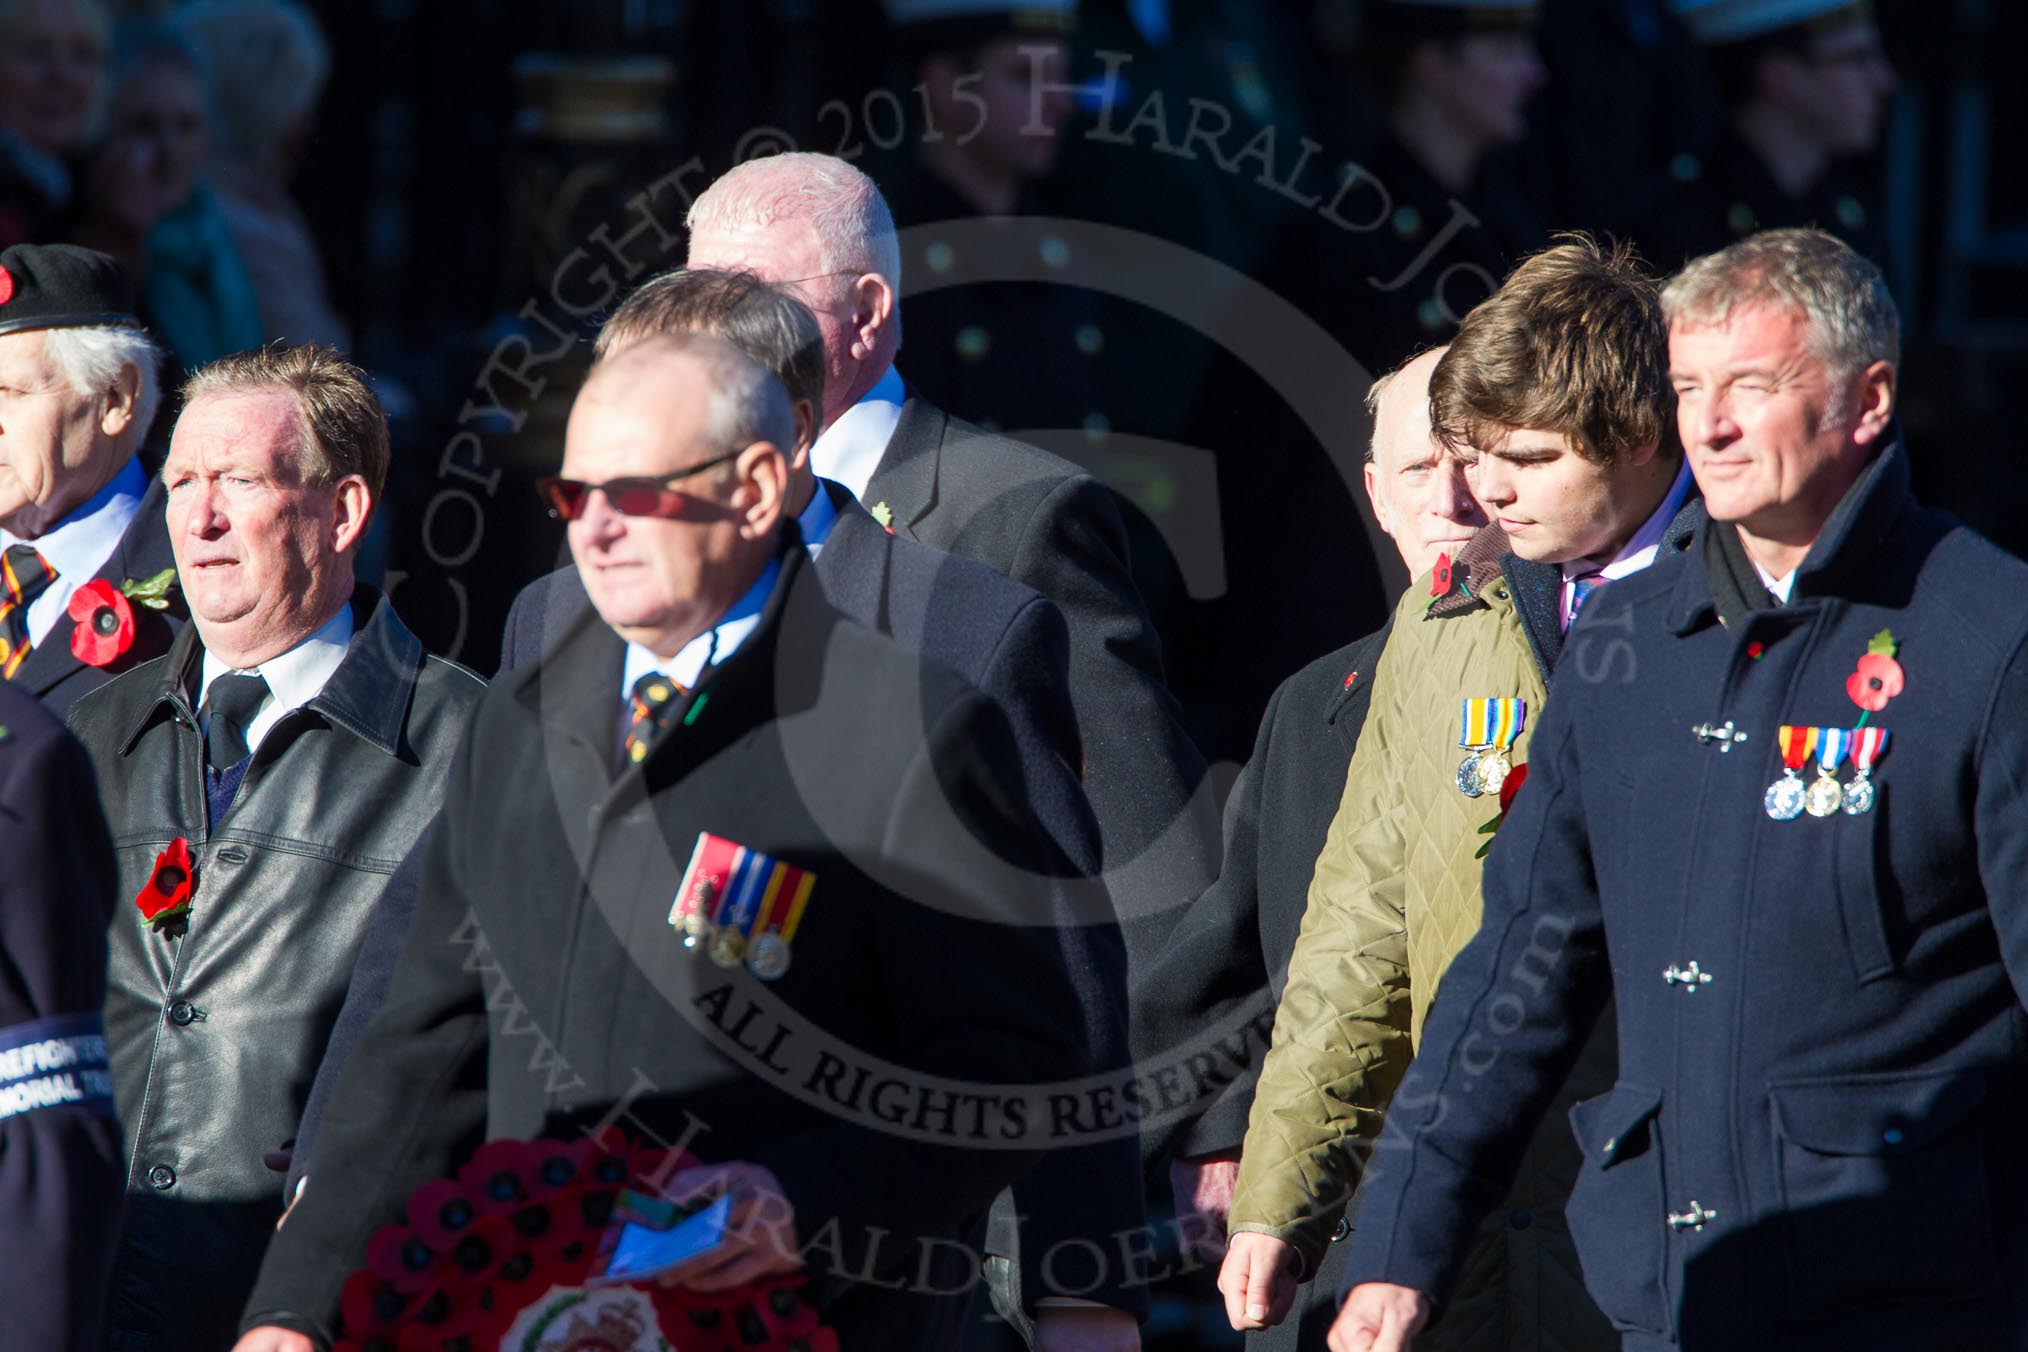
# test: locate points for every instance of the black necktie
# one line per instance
(24, 575)
(234, 699)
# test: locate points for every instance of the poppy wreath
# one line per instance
(105, 625)
(498, 1257)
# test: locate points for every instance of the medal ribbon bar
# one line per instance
(1797, 744)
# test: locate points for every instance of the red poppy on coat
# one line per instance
(1877, 681)
(1440, 577)
(167, 894)
(1516, 777)
(102, 623)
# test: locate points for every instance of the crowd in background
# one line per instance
(440, 171)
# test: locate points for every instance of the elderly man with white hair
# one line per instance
(81, 526)
(818, 227)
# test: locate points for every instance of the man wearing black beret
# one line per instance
(81, 528)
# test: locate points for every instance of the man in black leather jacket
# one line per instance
(261, 781)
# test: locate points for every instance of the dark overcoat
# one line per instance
(59, 1139)
(914, 958)
(1813, 1142)
(1011, 644)
(1047, 524)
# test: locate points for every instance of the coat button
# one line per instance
(181, 1012)
(161, 1178)
(1520, 1219)
(1344, 1229)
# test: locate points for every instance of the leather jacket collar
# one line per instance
(368, 695)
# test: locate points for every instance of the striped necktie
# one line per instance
(1580, 592)
(653, 706)
(24, 575)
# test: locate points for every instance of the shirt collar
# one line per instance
(82, 542)
(714, 645)
(850, 449)
(298, 675)
(1640, 551)
(817, 519)
(1778, 587)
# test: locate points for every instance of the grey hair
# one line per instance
(1839, 293)
(1373, 393)
(90, 359)
(746, 403)
(268, 62)
(855, 229)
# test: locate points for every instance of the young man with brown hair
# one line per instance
(1555, 393)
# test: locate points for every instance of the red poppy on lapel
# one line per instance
(102, 624)
(167, 896)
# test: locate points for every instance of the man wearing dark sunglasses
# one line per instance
(999, 635)
(715, 698)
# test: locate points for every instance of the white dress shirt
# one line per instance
(81, 543)
(294, 679)
(849, 450)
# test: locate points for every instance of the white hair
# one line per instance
(267, 63)
(90, 359)
(855, 230)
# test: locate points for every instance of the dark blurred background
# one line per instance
(457, 192)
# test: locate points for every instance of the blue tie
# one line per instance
(1580, 592)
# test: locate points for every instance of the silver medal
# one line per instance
(1493, 771)
(1784, 798)
(1859, 795)
(1468, 776)
(768, 958)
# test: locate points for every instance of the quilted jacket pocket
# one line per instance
(1617, 1207)
(1884, 1196)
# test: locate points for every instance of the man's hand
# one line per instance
(1378, 1317)
(760, 1236)
(268, 1338)
(1258, 1280)
(1203, 1190)
(1086, 1328)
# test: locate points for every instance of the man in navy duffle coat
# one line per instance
(1815, 1141)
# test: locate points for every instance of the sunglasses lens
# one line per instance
(637, 497)
(565, 496)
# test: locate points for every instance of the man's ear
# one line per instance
(872, 311)
(1874, 395)
(352, 508)
(806, 431)
(763, 499)
(122, 401)
(1372, 477)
